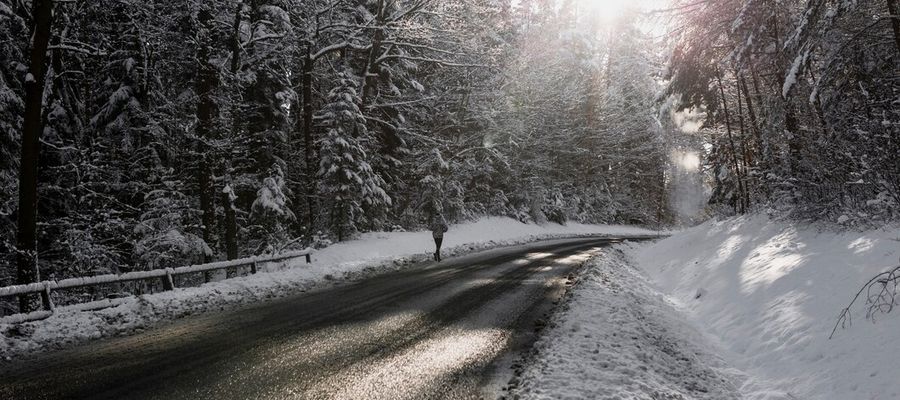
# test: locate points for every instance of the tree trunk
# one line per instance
(231, 227)
(743, 139)
(791, 126)
(894, 13)
(236, 39)
(751, 113)
(26, 234)
(741, 125)
(818, 111)
(204, 85)
(309, 149)
(737, 169)
(369, 71)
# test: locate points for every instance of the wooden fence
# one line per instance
(166, 276)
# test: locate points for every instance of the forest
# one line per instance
(142, 134)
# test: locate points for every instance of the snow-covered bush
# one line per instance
(163, 239)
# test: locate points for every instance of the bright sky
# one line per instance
(608, 10)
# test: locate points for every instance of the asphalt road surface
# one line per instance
(435, 331)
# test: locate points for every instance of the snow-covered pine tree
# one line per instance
(267, 92)
(13, 32)
(271, 213)
(256, 138)
(164, 238)
(353, 192)
(434, 194)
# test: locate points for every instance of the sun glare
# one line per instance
(688, 161)
(605, 10)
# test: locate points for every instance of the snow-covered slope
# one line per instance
(618, 338)
(371, 253)
(770, 292)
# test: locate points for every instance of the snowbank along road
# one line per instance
(438, 331)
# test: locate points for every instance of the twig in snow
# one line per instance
(881, 297)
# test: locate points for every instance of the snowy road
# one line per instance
(432, 332)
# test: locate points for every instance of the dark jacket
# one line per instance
(438, 227)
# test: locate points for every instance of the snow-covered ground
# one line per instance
(770, 292)
(617, 337)
(740, 308)
(371, 253)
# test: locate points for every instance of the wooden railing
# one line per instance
(166, 276)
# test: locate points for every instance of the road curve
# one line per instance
(437, 331)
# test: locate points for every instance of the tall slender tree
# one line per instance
(32, 125)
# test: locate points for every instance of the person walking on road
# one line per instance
(438, 227)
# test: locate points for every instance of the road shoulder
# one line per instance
(616, 336)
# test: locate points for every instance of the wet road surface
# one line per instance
(439, 331)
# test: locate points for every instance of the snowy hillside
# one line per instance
(770, 292)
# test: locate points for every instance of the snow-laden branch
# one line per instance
(338, 46)
(412, 9)
(81, 48)
(430, 60)
(261, 38)
(422, 47)
(403, 103)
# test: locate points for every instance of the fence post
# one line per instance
(46, 300)
(253, 267)
(308, 258)
(168, 280)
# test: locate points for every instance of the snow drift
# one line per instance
(616, 337)
(770, 292)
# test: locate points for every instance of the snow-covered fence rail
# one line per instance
(166, 275)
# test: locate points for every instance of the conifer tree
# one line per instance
(349, 185)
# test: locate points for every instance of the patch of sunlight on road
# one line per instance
(538, 256)
(578, 258)
(408, 375)
(464, 347)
